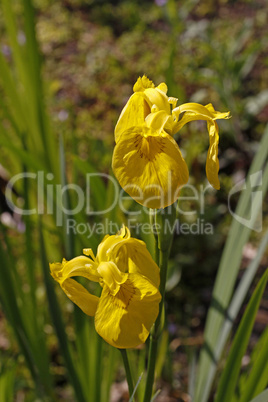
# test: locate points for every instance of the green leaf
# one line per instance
(8, 85)
(131, 399)
(15, 317)
(234, 309)
(7, 379)
(56, 315)
(256, 381)
(25, 157)
(228, 270)
(109, 365)
(230, 373)
(96, 187)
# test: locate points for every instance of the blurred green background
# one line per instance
(91, 53)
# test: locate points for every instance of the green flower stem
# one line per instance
(163, 246)
(152, 215)
(155, 334)
(156, 253)
(128, 372)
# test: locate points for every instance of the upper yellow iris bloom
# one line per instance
(147, 160)
(129, 302)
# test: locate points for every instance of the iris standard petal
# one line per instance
(135, 255)
(107, 251)
(142, 83)
(149, 167)
(140, 261)
(124, 320)
(126, 251)
(109, 241)
(133, 114)
(158, 98)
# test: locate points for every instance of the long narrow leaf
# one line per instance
(231, 371)
(257, 379)
(131, 399)
(12, 311)
(80, 319)
(228, 269)
(58, 324)
(7, 385)
(233, 310)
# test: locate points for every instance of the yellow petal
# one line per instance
(163, 87)
(111, 276)
(125, 320)
(140, 261)
(106, 249)
(194, 111)
(212, 164)
(157, 97)
(195, 108)
(79, 266)
(109, 241)
(133, 114)
(159, 121)
(80, 296)
(128, 254)
(218, 115)
(142, 83)
(149, 167)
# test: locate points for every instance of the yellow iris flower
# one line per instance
(129, 301)
(147, 161)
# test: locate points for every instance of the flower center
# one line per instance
(124, 295)
(149, 146)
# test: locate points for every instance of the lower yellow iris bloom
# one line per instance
(147, 160)
(129, 302)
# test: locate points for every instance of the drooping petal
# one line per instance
(217, 115)
(80, 296)
(79, 266)
(133, 114)
(212, 164)
(194, 111)
(149, 167)
(125, 320)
